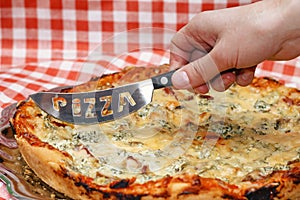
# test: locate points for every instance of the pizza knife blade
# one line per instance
(101, 105)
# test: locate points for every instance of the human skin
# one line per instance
(221, 47)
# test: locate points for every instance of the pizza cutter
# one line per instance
(101, 105)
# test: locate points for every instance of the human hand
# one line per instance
(225, 46)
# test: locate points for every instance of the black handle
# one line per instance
(162, 80)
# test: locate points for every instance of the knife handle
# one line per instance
(163, 80)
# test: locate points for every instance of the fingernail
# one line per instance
(202, 89)
(181, 80)
(228, 80)
(247, 76)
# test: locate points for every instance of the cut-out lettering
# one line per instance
(106, 108)
(76, 107)
(58, 102)
(122, 101)
(90, 112)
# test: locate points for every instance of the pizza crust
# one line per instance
(49, 166)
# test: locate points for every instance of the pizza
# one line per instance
(243, 143)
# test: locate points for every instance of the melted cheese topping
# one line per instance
(248, 134)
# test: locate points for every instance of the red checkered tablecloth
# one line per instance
(44, 44)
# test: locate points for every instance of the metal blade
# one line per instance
(96, 106)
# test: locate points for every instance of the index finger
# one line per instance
(181, 50)
(186, 46)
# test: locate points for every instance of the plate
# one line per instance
(20, 181)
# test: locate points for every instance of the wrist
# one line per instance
(285, 33)
(278, 19)
(291, 16)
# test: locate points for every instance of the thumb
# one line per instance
(196, 73)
